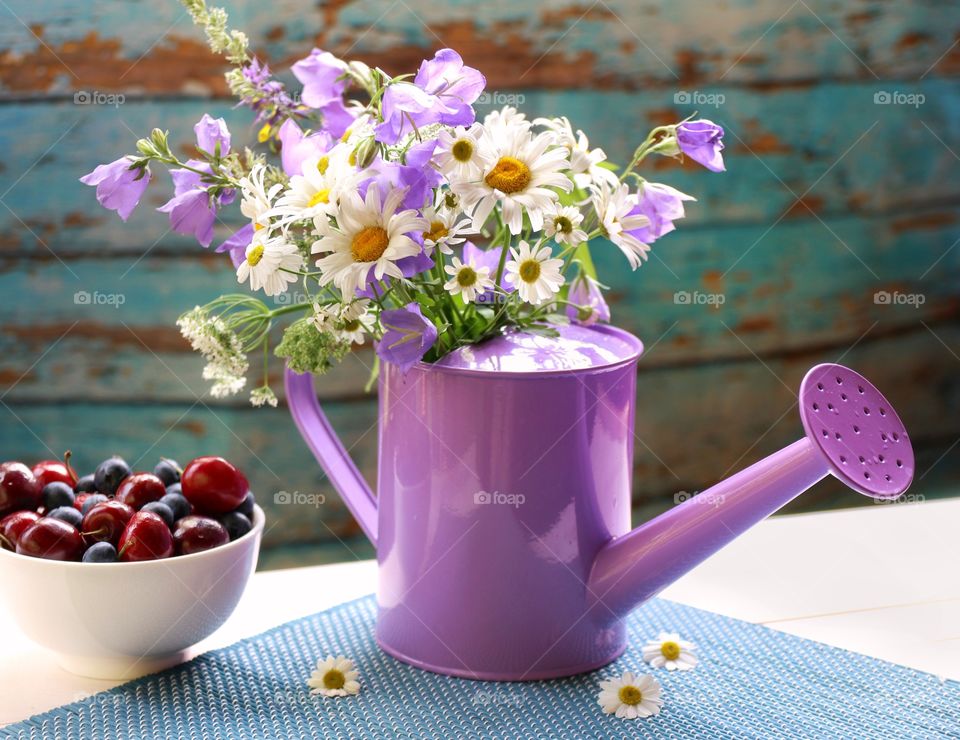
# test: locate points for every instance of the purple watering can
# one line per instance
(502, 520)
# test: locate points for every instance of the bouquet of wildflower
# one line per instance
(400, 217)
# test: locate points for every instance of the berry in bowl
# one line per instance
(139, 566)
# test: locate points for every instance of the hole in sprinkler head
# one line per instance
(899, 463)
(856, 429)
(826, 433)
(880, 458)
(830, 406)
(843, 459)
(896, 437)
(843, 396)
(883, 411)
(860, 388)
(883, 436)
(866, 411)
(837, 435)
(819, 386)
(862, 459)
(816, 407)
(866, 474)
(839, 380)
(887, 477)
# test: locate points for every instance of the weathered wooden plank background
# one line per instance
(830, 198)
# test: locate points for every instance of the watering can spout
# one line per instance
(852, 432)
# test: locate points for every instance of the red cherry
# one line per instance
(52, 539)
(13, 525)
(48, 471)
(106, 522)
(213, 485)
(199, 533)
(80, 498)
(18, 488)
(139, 489)
(147, 537)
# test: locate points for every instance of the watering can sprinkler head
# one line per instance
(852, 432)
(861, 438)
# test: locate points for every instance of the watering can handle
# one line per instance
(329, 451)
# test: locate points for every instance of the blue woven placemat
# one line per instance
(752, 682)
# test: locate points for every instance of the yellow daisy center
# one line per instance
(257, 227)
(509, 175)
(264, 133)
(333, 679)
(255, 255)
(670, 650)
(321, 196)
(450, 200)
(628, 695)
(437, 231)
(351, 325)
(369, 244)
(529, 271)
(462, 150)
(563, 224)
(323, 163)
(466, 276)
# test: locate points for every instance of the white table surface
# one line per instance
(882, 580)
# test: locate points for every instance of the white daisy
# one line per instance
(536, 276)
(316, 190)
(670, 652)
(522, 170)
(256, 200)
(265, 262)
(324, 317)
(629, 696)
(584, 161)
(458, 154)
(355, 321)
(467, 279)
(334, 677)
(446, 227)
(614, 208)
(368, 238)
(502, 123)
(562, 224)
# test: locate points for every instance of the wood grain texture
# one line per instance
(830, 198)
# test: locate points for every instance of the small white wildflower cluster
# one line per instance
(227, 363)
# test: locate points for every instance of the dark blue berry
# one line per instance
(92, 500)
(178, 504)
(246, 506)
(100, 552)
(110, 474)
(174, 488)
(161, 510)
(55, 495)
(85, 485)
(68, 514)
(168, 471)
(236, 524)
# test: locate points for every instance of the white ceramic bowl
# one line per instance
(124, 620)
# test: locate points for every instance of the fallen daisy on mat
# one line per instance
(334, 677)
(630, 696)
(670, 652)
